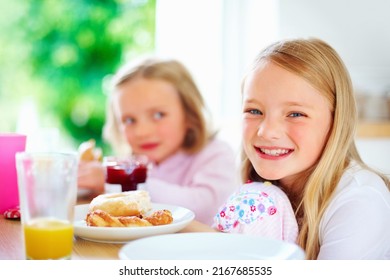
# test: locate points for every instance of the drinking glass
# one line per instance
(48, 191)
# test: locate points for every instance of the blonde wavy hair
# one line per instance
(173, 72)
(321, 66)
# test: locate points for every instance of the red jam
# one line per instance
(127, 176)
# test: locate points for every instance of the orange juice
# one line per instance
(48, 239)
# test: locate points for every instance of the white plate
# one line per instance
(181, 217)
(209, 246)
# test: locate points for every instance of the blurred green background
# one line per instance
(55, 55)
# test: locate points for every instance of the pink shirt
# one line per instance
(200, 182)
(258, 209)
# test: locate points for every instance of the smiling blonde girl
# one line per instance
(298, 132)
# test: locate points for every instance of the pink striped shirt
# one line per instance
(199, 182)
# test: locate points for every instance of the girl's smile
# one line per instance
(149, 146)
(273, 153)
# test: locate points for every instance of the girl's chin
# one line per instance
(155, 160)
(269, 176)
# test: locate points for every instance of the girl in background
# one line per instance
(156, 110)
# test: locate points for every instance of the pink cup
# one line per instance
(10, 143)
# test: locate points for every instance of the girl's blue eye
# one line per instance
(296, 114)
(158, 115)
(128, 121)
(254, 112)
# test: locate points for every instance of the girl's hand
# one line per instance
(91, 176)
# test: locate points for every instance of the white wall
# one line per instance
(358, 30)
(191, 31)
(376, 153)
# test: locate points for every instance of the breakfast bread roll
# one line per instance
(131, 203)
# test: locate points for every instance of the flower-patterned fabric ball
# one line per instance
(261, 209)
(245, 207)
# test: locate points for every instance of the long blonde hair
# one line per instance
(173, 72)
(320, 65)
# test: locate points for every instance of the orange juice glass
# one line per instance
(48, 191)
(48, 239)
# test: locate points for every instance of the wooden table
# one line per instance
(11, 243)
(12, 248)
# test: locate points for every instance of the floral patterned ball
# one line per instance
(244, 207)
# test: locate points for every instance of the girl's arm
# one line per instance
(199, 182)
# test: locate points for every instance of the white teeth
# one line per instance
(276, 152)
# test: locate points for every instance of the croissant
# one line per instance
(160, 217)
(100, 218)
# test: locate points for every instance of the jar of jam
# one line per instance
(127, 172)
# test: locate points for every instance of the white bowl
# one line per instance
(209, 246)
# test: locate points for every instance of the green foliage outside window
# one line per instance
(58, 53)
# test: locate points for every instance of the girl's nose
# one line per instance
(143, 129)
(269, 129)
